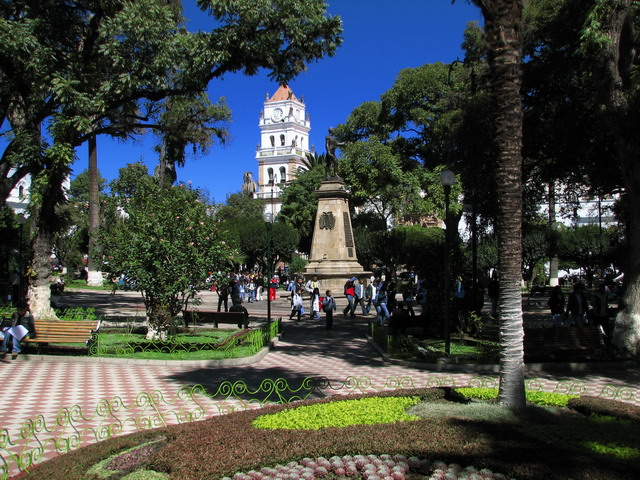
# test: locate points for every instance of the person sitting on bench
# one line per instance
(238, 307)
(21, 325)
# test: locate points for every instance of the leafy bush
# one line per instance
(297, 264)
(164, 240)
(613, 449)
(539, 398)
(366, 411)
(589, 405)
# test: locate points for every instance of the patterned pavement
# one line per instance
(39, 385)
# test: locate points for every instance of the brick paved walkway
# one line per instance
(39, 385)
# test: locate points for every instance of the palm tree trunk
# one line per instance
(503, 21)
(94, 277)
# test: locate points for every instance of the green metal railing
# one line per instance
(182, 347)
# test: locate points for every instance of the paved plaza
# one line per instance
(42, 385)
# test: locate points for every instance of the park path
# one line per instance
(42, 385)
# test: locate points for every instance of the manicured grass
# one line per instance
(431, 350)
(537, 443)
(82, 284)
(200, 345)
(185, 346)
(539, 398)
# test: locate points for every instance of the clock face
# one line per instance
(297, 115)
(277, 114)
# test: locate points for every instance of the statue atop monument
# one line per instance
(249, 186)
(331, 144)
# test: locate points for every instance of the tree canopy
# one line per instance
(93, 67)
(165, 240)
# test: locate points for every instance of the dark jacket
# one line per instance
(572, 304)
(556, 303)
(26, 321)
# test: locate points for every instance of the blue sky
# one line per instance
(381, 38)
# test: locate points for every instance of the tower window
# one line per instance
(282, 140)
(270, 175)
(283, 174)
(21, 192)
(273, 141)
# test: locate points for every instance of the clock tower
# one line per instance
(284, 144)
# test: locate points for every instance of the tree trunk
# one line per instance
(553, 263)
(40, 285)
(46, 198)
(94, 277)
(619, 56)
(503, 20)
(626, 334)
(160, 323)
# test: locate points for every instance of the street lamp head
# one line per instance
(22, 219)
(447, 178)
(268, 217)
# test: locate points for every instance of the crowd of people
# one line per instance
(371, 296)
(367, 296)
(581, 307)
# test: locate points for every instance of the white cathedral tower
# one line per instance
(284, 144)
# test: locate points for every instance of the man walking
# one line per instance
(360, 296)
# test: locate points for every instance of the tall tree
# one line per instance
(102, 67)
(430, 118)
(583, 63)
(167, 242)
(94, 277)
(610, 33)
(503, 24)
(188, 120)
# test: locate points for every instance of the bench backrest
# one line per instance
(219, 316)
(63, 331)
(568, 336)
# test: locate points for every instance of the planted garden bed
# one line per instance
(442, 430)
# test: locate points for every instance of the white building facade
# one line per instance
(18, 199)
(284, 144)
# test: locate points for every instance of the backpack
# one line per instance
(329, 305)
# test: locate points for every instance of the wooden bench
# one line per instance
(215, 317)
(564, 343)
(399, 324)
(61, 331)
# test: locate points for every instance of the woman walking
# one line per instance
(315, 304)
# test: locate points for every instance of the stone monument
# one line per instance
(333, 251)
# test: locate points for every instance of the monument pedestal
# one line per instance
(333, 251)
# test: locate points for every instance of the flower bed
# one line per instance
(539, 443)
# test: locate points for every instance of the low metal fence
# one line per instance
(182, 347)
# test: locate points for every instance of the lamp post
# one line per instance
(21, 220)
(447, 179)
(269, 218)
